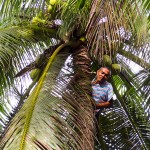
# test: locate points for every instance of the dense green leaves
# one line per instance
(132, 103)
(14, 43)
(19, 8)
(58, 112)
(50, 115)
(113, 23)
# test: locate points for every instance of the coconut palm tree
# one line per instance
(61, 44)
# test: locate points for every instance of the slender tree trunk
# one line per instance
(81, 64)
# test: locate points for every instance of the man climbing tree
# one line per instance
(102, 90)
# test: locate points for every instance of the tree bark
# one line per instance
(81, 64)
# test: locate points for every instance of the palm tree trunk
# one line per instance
(81, 64)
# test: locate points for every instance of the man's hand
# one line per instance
(96, 81)
(104, 104)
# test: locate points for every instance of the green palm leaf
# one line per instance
(49, 108)
(131, 102)
(143, 81)
(74, 16)
(14, 43)
(20, 7)
(26, 120)
(113, 23)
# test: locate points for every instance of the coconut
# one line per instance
(107, 60)
(116, 68)
(52, 2)
(49, 8)
(35, 73)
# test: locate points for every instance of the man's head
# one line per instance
(103, 74)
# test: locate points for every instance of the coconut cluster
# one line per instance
(116, 68)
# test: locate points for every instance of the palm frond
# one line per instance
(117, 131)
(141, 62)
(20, 8)
(139, 78)
(15, 43)
(132, 103)
(74, 16)
(57, 108)
(112, 23)
(143, 84)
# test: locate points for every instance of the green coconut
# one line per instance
(35, 73)
(116, 68)
(49, 8)
(52, 2)
(107, 60)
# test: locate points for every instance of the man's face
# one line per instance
(103, 74)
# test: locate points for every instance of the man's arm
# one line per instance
(104, 104)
